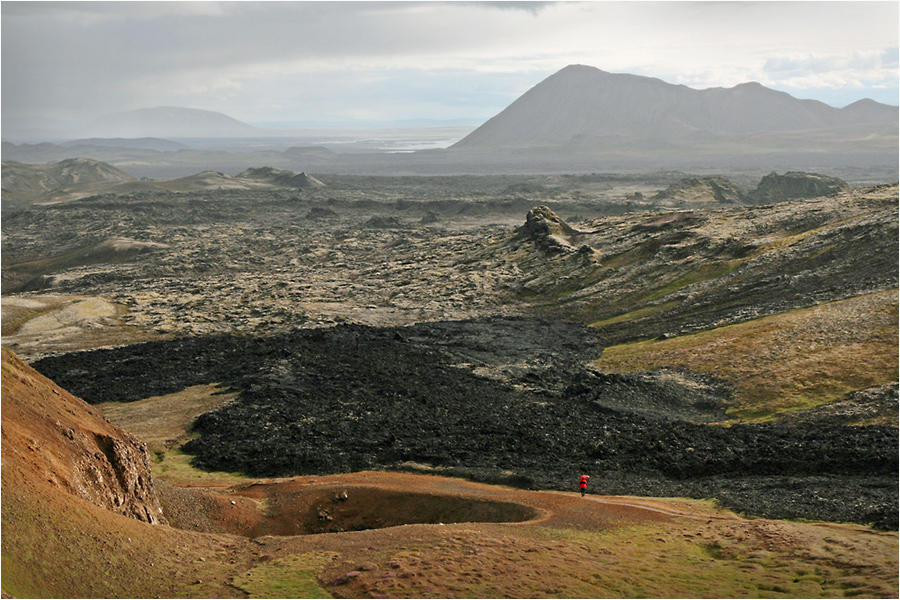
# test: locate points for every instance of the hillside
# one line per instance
(582, 109)
(641, 276)
(70, 178)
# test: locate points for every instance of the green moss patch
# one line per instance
(292, 577)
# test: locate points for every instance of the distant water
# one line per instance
(340, 140)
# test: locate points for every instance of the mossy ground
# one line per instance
(786, 362)
(291, 577)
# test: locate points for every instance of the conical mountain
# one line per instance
(580, 106)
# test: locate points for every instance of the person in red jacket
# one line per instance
(582, 483)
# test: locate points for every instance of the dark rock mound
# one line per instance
(700, 190)
(318, 212)
(795, 185)
(383, 222)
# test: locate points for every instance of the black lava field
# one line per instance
(501, 400)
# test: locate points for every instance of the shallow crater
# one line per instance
(288, 508)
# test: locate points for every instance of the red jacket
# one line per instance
(583, 482)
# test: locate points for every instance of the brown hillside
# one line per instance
(72, 447)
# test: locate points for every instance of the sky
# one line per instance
(360, 62)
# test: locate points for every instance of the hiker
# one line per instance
(582, 483)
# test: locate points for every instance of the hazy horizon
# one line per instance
(343, 63)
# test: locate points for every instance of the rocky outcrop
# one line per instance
(383, 222)
(52, 437)
(700, 190)
(548, 231)
(795, 185)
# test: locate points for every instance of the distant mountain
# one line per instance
(144, 143)
(169, 121)
(584, 109)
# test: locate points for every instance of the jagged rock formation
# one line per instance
(704, 191)
(71, 446)
(793, 185)
(699, 190)
(545, 228)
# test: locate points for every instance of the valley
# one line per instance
(489, 336)
(411, 300)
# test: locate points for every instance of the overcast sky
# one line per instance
(382, 61)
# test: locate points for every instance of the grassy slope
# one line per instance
(799, 359)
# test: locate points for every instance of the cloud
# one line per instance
(527, 6)
(872, 61)
(396, 60)
(874, 69)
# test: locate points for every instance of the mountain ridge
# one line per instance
(31, 183)
(584, 108)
